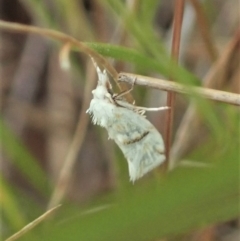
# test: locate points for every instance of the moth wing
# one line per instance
(139, 141)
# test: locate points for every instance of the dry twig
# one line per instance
(211, 94)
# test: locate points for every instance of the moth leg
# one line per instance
(151, 109)
(117, 96)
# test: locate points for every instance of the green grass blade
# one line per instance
(22, 159)
(186, 200)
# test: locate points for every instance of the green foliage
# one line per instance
(184, 200)
(10, 207)
(144, 62)
(21, 158)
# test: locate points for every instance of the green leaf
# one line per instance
(22, 159)
(144, 62)
(185, 200)
(9, 207)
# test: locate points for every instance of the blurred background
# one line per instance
(51, 153)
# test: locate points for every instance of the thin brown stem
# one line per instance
(211, 94)
(177, 26)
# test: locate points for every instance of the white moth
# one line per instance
(140, 142)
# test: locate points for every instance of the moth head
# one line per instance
(103, 78)
(102, 90)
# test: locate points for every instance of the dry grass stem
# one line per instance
(31, 225)
(64, 38)
(66, 171)
(223, 74)
(25, 83)
(211, 94)
(205, 30)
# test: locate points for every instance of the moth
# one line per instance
(140, 142)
